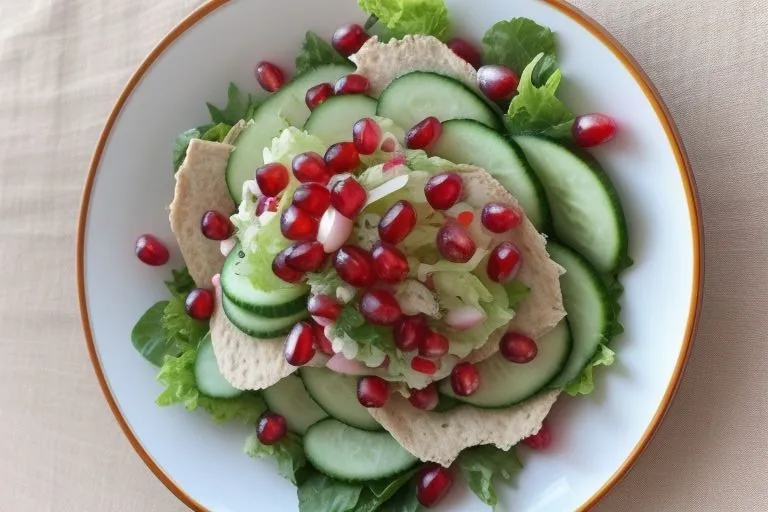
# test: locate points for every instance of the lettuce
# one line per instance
(240, 105)
(288, 454)
(516, 42)
(584, 384)
(320, 493)
(481, 464)
(402, 17)
(316, 51)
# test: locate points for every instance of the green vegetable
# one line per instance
(584, 384)
(516, 42)
(320, 493)
(481, 464)
(181, 283)
(402, 17)
(181, 143)
(148, 335)
(352, 324)
(404, 500)
(517, 292)
(288, 453)
(316, 51)
(217, 133)
(325, 283)
(180, 328)
(240, 105)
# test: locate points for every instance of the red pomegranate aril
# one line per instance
(313, 198)
(593, 129)
(281, 269)
(454, 243)
(355, 266)
(500, 218)
(466, 51)
(541, 439)
(271, 428)
(305, 256)
(433, 345)
(342, 157)
(518, 348)
(424, 133)
(423, 365)
(425, 399)
(465, 379)
(443, 190)
(317, 95)
(372, 391)
(504, 262)
(409, 332)
(322, 343)
(389, 263)
(349, 38)
(270, 77)
(351, 84)
(366, 135)
(150, 250)
(199, 303)
(324, 306)
(348, 197)
(266, 204)
(310, 167)
(216, 226)
(432, 483)
(296, 224)
(300, 344)
(497, 82)
(395, 161)
(397, 223)
(272, 179)
(380, 307)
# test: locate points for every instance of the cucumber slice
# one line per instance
(503, 383)
(289, 398)
(337, 395)
(420, 94)
(586, 210)
(259, 326)
(208, 378)
(354, 455)
(270, 304)
(285, 107)
(464, 141)
(590, 313)
(332, 121)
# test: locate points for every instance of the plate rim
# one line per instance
(576, 15)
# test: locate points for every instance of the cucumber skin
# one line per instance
(262, 335)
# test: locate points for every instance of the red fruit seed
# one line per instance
(305, 256)
(324, 306)
(541, 439)
(504, 262)
(313, 198)
(317, 95)
(270, 77)
(281, 269)
(443, 190)
(466, 51)
(499, 83)
(349, 39)
(150, 250)
(500, 218)
(424, 133)
(380, 307)
(397, 223)
(355, 266)
(432, 483)
(266, 204)
(593, 129)
(423, 365)
(425, 399)
(300, 344)
(409, 332)
(366, 135)
(433, 345)
(351, 84)
(216, 226)
(271, 428)
(296, 224)
(372, 391)
(322, 343)
(455, 244)
(389, 263)
(272, 179)
(342, 157)
(199, 304)
(465, 379)
(518, 348)
(348, 197)
(310, 168)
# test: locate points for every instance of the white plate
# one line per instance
(130, 184)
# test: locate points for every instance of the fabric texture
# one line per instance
(63, 64)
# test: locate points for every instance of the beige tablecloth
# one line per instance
(63, 62)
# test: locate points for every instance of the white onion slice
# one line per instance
(334, 230)
(387, 188)
(464, 317)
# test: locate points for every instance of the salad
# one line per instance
(396, 261)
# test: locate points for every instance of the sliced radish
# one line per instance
(464, 317)
(334, 230)
(226, 246)
(340, 364)
(387, 188)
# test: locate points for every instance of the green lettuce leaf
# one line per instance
(516, 42)
(240, 105)
(404, 500)
(320, 493)
(325, 283)
(584, 384)
(402, 17)
(217, 132)
(181, 283)
(379, 492)
(517, 292)
(481, 464)
(180, 328)
(288, 454)
(316, 51)
(352, 324)
(148, 336)
(181, 143)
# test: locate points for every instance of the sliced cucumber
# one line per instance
(259, 326)
(464, 141)
(332, 121)
(273, 304)
(337, 395)
(289, 398)
(590, 311)
(586, 210)
(354, 455)
(286, 107)
(208, 378)
(503, 383)
(420, 94)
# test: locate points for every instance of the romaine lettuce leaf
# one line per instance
(516, 42)
(316, 51)
(320, 493)
(181, 329)
(402, 17)
(481, 464)
(288, 454)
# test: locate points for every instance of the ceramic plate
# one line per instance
(130, 185)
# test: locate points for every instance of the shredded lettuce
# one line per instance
(403, 17)
(288, 454)
(415, 298)
(447, 266)
(419, 160)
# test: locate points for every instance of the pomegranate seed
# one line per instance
(272, 178)
(433, 345)
(372, 391)
(504, 262)
(389, 263)
(269, 76)
(409, 332)
(395, 161)
(351, 84)
(423, 365)
(424, 133)
(216, 226)
(305, 256)
(324, 306)
(348, 197)
(497, 82)
(271, 429)
(152, 251)
(349, 38)
(310, 168)
(432, 483)
(266, 204)
(465, 218)
(593, 129)
(380, 307)
(342, 157)
(499, 218)
(317, 95)
(443, 190)
(397, 223)
(541, 439)
(518, 348)
(366, 135)
(425, 399)
(300, 344)
(355, 266)
(388, 145)
(313, 198)
(199, 304)
(296, 224)
(323, 344)
(465, 379)
(455, 244)
(466, 51)
(281, 269)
